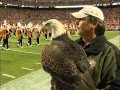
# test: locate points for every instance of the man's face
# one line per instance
(84, 27)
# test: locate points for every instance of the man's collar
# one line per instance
(95, 46)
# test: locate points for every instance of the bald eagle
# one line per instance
(65, 60)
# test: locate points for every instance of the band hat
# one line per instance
(30, 25)
(89, 10)
(36, 26)
(5, 23)
(19, 25)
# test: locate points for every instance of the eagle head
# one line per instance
(55, 26)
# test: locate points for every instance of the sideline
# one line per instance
(36, 80)
(8, 75)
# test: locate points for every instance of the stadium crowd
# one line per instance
(56, 2)
(112, 17)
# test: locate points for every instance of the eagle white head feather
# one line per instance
(56, 26)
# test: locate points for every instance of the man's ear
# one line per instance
(94, 25)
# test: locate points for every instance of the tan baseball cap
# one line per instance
(89, 10)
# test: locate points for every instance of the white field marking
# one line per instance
(24, 51)
(38, 63)
(26, 68)
(7, 75)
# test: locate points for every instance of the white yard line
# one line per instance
(38, 63)
(29, 69)
(8, 75)
(24, 51)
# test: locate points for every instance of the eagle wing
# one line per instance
(56, 61)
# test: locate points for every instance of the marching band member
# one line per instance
(29, 33)
(19, 35)
(5, 36)
(37, 34)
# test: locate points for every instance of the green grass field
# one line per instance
(12, 62)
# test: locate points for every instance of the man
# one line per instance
(19, 35)
(29, 33)
(5, 37)
(91, 28)
(37, 34)
(0, 34)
